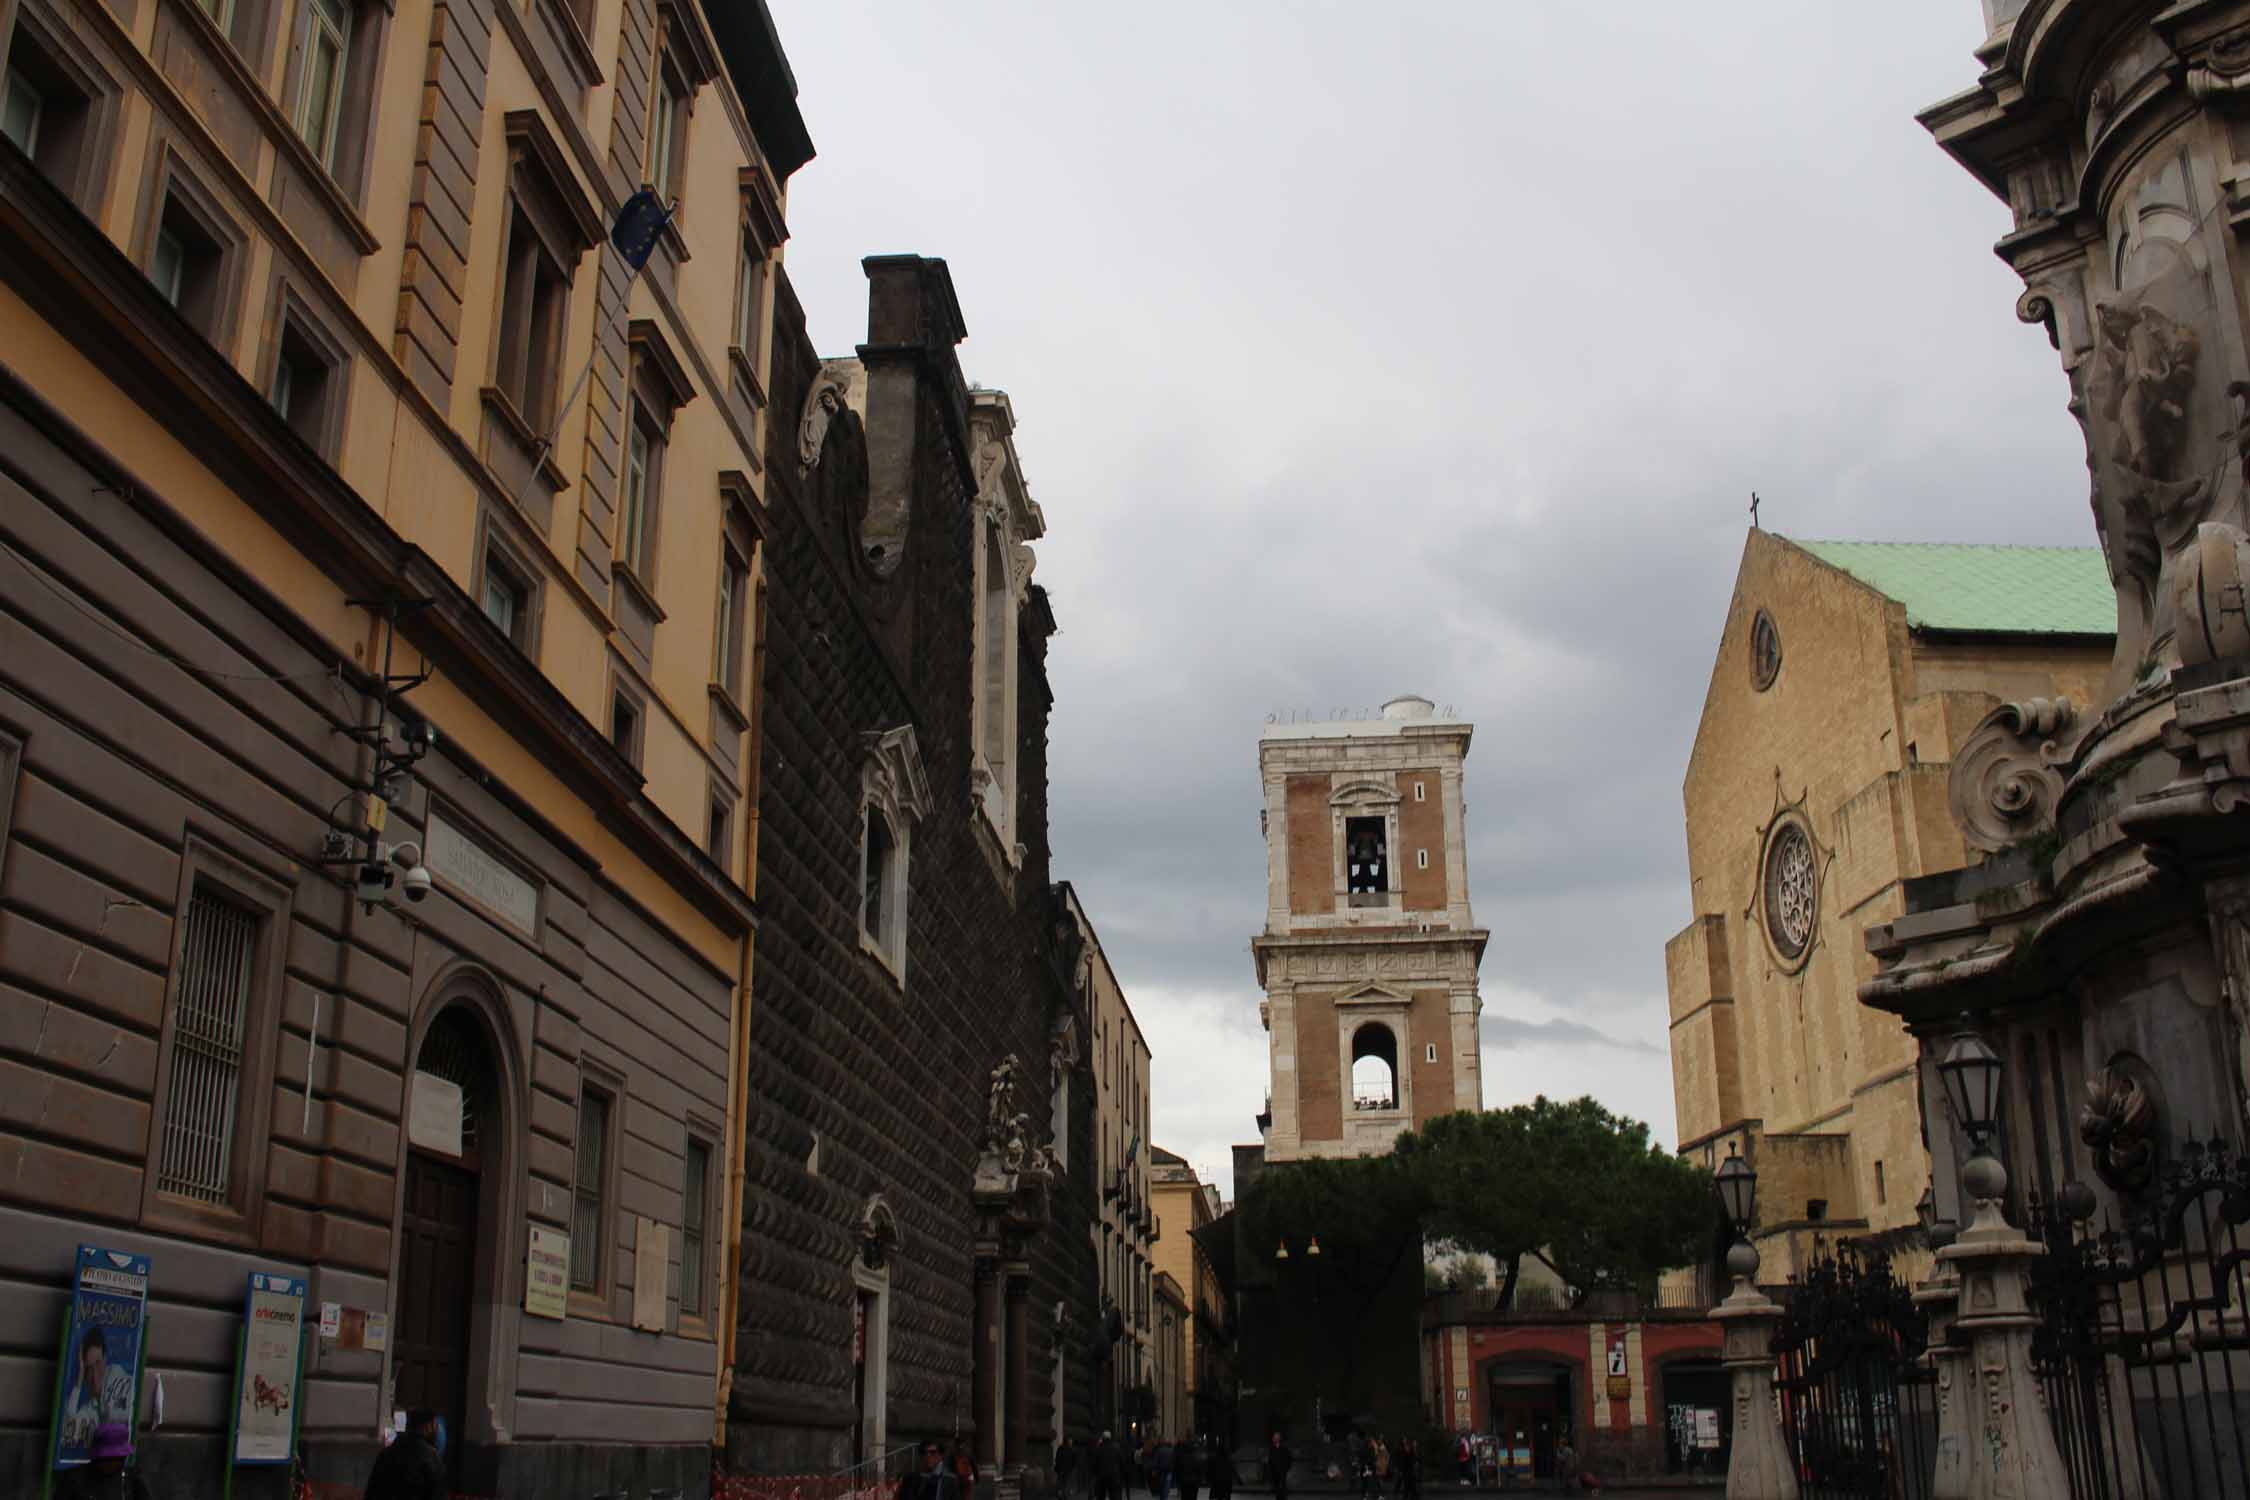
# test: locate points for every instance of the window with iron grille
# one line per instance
(692, 1220)
(586, 1221)
(218, 954)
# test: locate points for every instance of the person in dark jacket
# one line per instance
(932, 1481)
(1187, 1468)
(1278, 1460)
(1218, 1469)
(1406, 1466)
(1160, 1469)
(1109, 1470)
(411, 1468)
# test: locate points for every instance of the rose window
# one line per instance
(1792, 890)
(1765, 651)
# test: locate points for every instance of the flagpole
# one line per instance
(593, 351)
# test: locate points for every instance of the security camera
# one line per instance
(406, 855)
(416, 884)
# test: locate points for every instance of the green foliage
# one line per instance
(1573, 1182)
(1457, 1273)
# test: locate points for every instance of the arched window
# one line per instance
(1374, 1067)
(893, 797)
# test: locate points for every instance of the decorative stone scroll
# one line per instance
(2007, 777)
(2118, 1122)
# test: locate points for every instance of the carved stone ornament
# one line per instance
(2007, 776)
(878, 1233)
(2207, 595)
(830, 393)
(2118, 1122)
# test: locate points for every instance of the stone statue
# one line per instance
(821, 405)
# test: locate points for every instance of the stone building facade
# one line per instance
(918, 1251)
(1369, 956)
(377, 710)
(1185, 1205)
(1849, 680)
(1123, 1233)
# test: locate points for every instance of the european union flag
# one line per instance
(638, 224)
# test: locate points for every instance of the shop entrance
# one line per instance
(1531, 1410)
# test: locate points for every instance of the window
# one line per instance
(667, 130)
(1421, 859)
(531, 312)
(587, 1217)
(1374, 1067)
(749, 296)
(875, 878)
(320, 93)
(1421, 791)
(693, 1192)
(1879, 1195)
(58, 104)
(644, 456)
(734, 595)
(187, 261)
(720, 841)
(1816, 1210)
(625, 726)
(507, 598)
(20, 109)
(210, 1008)
(1366, 869)
(1429, 1052)
(307, 380)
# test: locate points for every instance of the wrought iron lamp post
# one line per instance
(1760, 1467)
(2003, 1444)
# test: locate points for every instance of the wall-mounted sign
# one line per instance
(652, 1256)
(546, 1273)
(1617, 1359)
(102, 1350)
(467, 866)
(377, 1335)
(434, 1114)
(1706, 1427)
(331, 1319)
(265, 1393)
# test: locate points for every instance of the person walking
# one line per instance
(411, 1468)
(932, 1481)
(1187, 1468)
(1465, 1459)
(1066, 1461)
(1160, 1469)
(1406, 1464)
(1566, 1463)
(1218, 1469)
(1278, 1460)
(1109, 1469)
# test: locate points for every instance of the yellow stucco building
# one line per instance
(1848, 676)
(378, 702)
(1184, 1203)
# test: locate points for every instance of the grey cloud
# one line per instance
(1439, 354)
(1505, 1031)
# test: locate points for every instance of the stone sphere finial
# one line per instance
(1742, 1259)
(1984, 1177)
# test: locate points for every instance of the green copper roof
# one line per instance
(1990, 590)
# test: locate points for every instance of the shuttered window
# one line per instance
(217, 952)
(586, 1221)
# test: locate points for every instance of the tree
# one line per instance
(1582, 1187)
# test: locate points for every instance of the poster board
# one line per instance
(266, 1385)
(546, 1273)
(104, 1341)
(652, 1254)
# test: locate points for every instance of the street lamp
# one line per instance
(1738, 1191)
(1971, 1072)
(1312, 1246)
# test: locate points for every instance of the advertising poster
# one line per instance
(101, 1374)
(265, 1398)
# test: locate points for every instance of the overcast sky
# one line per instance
(1430, 348)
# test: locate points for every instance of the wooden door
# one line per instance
(437, 1263)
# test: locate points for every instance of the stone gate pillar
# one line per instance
(1938, 1298)
(1760, 1466)
(2012, 1453)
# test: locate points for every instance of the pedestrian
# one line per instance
(1566, 1463)
(1378, 1466)
(1407, 1465)
(1187, 1468)
(1464, 1460)
(1278, 1460)
(964, 1466)
(412, 1467)
(104, 1476)
(932, 1481)
(1109, 1469)
(1160, 1469)
(1066, 1460)
(1218, 1470)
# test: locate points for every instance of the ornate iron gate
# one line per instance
(1856, 1394)
(2143, 1344)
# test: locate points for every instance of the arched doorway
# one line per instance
(1374, 1067)
(453, 1139)
(1531, 1406)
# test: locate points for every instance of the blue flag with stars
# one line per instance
(638, 224)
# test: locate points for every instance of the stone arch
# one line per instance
(464, 1002)
(1375, 1062)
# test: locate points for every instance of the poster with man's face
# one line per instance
(102, 1373)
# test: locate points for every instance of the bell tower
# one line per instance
(1369, 955)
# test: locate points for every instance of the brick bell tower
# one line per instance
(1369, 957)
